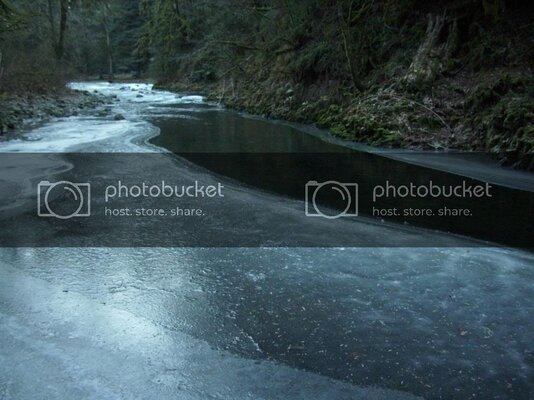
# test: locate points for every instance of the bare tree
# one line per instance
(58, 33)
(104, 15)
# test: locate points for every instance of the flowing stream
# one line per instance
(258, 323)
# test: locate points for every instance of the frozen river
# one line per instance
(259, 323)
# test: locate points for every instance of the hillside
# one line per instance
(399, 74)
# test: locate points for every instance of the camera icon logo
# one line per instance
(326, 199)
(63, 200)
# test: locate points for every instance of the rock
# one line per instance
(119, 117)
(55, 112)
(139, 96)
(102, 113)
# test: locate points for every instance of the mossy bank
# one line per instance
(458, 75)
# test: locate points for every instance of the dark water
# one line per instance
(235, 323)
(281, 158)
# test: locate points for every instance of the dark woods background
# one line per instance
(308, 40)
(430, 74)
(44, 41)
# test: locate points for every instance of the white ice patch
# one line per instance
(63, 344)
(136, 92)
(104, 134)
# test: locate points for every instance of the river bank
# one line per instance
(483, 113)
(280, 307)
(19, 110)
(447, 76)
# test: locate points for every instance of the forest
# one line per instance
(453, 74)
(267, 199)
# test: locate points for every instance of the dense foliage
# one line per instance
(453, 73)
(44, 41)
(448, 74)
(314, 40)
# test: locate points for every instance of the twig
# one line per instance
(426, 108)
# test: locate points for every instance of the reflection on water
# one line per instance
(281, 158)
(214, 130)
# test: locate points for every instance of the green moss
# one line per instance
(329, 117)
(492, 88)
(510, 124)
(500, 112)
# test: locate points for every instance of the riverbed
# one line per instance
(371, 322)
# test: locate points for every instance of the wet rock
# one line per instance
(119, 117)
(15, 109)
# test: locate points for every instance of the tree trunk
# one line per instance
(1, 68)
(60, 47)
(52, 22)
(346, 35)
(109, 51)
